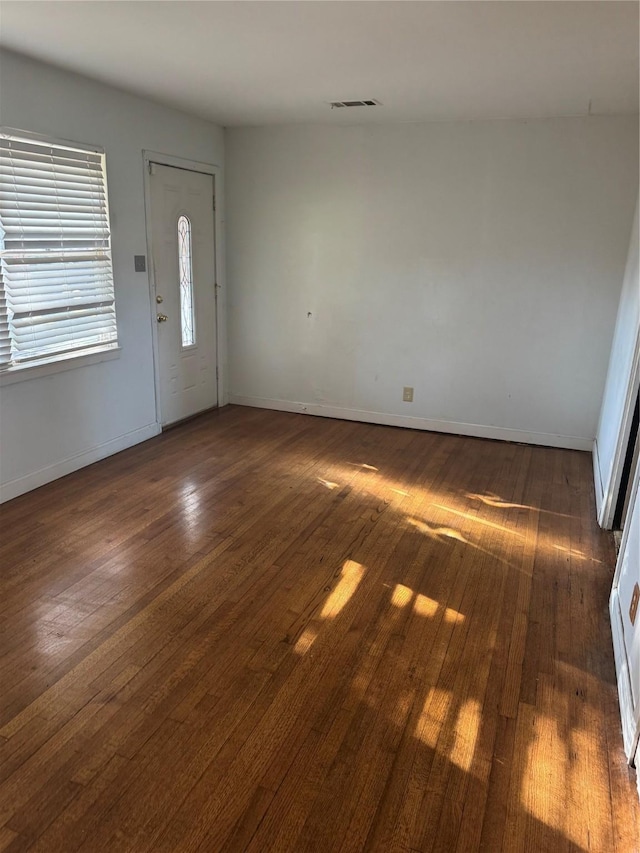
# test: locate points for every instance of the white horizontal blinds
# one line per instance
(56, 271)
(5, 340)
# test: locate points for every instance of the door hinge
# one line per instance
(217, 373)
(214, 203)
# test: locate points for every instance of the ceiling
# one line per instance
(248, 63)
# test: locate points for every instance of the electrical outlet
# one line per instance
(407, 394)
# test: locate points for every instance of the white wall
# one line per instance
(617, 403)
(480, 262)
(54, 424)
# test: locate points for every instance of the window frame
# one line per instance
(63, 361)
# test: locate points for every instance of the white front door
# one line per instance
(183, 257)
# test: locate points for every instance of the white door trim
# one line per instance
(609, 495)
(630, 715)
(149, 157)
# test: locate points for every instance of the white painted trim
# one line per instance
(597, 478)
(14, 488)
(612, 488)
(58, 365)
(179, 162)
(629, 715)
(161, 159)
(629, 727)
(635, 496)
(387, 419)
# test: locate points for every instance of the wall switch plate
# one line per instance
(407, 394)
(139, 263)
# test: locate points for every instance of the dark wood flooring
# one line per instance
(272, 632)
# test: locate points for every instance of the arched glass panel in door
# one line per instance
(185, 272)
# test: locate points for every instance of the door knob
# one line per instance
(162, 318)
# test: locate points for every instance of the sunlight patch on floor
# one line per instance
(493, 500)
(350, 577)
(574, 553)
(328, 483)
(466, 734)
(543, 784)
(453, 617)
(434, 532)
(305, 641)
(425, 606)
(434, 712)
(563, 750)
(475, 520)
(401, 595)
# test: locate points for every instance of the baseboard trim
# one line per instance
(386, 419)
(15, 488)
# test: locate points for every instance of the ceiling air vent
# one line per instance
(368, 103)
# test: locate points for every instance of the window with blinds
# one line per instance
(56, 278)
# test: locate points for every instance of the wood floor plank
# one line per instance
(7, 837)
(262, 631)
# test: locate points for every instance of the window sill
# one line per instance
(35, 371)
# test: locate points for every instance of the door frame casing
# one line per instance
(630, 715)
(606, 498)
(149, 157)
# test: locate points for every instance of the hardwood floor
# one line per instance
(263, 631)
